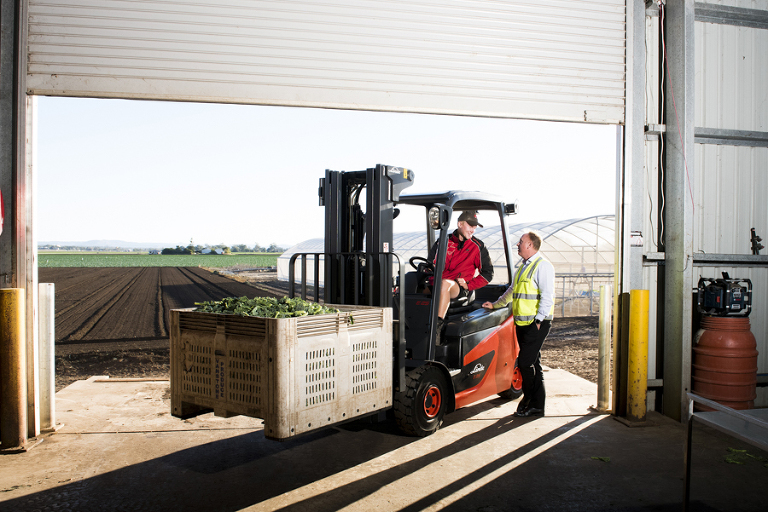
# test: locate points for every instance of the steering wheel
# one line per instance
(424, 265)
(424, 270)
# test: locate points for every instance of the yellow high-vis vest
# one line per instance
(526, 296)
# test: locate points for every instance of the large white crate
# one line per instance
(297, 374)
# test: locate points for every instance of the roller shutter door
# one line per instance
(542, 59)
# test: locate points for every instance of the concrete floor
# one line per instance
(120, 449)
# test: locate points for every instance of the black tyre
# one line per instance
(516, 389)
(421, 406)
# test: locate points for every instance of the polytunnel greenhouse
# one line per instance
(581, 250)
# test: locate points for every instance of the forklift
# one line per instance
(477, 353)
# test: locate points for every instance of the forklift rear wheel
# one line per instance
(420, 408)
(516, 389)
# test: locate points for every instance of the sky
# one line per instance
(171, 172)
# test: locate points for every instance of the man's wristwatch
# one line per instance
(538, 322)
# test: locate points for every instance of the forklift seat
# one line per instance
(478, 320)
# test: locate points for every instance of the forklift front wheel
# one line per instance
(420, 408)
(516, 389)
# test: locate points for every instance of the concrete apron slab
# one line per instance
(120, 449)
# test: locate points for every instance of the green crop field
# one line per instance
(156, 260)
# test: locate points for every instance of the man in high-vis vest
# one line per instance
(532, 294)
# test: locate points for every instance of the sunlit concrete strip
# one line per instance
(469, 443)
(451, 461)
(350, 476)
(388, 462)
(476, 459)
(480, 482)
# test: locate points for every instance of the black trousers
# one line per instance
(530, 340)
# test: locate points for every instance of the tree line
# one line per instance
(198, 249)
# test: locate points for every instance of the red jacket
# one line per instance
(463, 258)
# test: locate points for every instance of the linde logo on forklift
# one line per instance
(478, 368)
(476, 356)
(474, 371)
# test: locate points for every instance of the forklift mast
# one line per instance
(358, 244)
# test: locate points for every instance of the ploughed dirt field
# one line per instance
(114, 321)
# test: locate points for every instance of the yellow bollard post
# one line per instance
(13, 365)
(637, 385)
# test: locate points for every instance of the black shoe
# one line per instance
(529, 412)
(439, 331)
(523, 405)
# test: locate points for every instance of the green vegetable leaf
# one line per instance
(265, 307)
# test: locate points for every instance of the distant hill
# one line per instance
(109, 243)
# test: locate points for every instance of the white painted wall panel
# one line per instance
(744, 4)
(731, 73)
(549, 59)
(731, 192)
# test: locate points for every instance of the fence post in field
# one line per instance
(47, 332)
(604, 349)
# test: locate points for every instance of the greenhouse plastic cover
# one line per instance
(584, 246)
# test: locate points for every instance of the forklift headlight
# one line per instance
(434, 217)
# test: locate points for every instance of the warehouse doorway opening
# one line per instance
(146, 175)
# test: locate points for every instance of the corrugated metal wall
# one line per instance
(731, 182)
(538, 59)
(731, 72)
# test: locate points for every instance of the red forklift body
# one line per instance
(477, 353)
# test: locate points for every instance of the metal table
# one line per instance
(750, 426)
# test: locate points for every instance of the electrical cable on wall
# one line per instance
(674, 105)
(662, 120)
(649, 93)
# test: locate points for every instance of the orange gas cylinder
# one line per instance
(725, 361)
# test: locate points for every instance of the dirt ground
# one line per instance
(114, 321)
(572, 346)
(105, 304)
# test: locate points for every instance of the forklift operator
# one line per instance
(467, 265)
